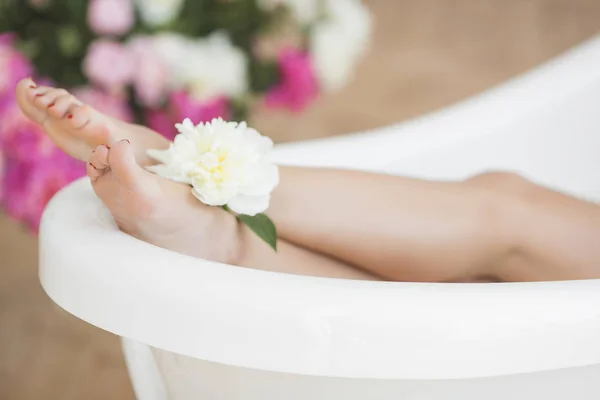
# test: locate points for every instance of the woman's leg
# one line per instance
(495, 226)
(77, 129)
(293, 259)
(165, 213)
(398, 228)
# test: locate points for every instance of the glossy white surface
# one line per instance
(247, 326)
(193, 379)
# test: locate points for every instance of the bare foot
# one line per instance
(78, 128)
(160, 211)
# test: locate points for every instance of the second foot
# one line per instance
(160, 211)
(78, 128)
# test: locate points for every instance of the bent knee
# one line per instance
(503, 181)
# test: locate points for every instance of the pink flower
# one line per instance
(185, 106)
(182, 106)
(48, 176)
(21, 138)
(33, 167)
(298, 84)
(151, 74)
(16, 178)
(14, 66)
(109, 64)
(7, 39)
(162, 122)
(113, 105)
(2, 168)
(29, 186)
(111, 17)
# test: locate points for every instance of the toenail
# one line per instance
(70, 116)
(39, 95)
(33, 86)
(51, 105)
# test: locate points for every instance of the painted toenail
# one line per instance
(51, 105)
(70, 116)
(33, 86)
(39, 95)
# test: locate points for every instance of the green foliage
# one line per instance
(56, 37)
(264, 228)
(260, 224)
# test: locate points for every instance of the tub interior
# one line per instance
(557, 145)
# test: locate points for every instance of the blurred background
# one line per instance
(407, 58)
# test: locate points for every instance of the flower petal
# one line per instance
(167, 172)
(209, 200)
(249, 205)
(264, 179)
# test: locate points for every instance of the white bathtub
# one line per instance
(201, 330)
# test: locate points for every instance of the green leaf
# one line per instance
(262, 225)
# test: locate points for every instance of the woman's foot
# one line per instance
(78, 128)
(160, 211)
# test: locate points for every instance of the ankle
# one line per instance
(234, 250)
(221, 237)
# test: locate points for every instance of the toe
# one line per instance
(81, 115)
(99, 157)
(48, 98)
(94, 173)
(27, 91)
(121, 160)
(62, 103)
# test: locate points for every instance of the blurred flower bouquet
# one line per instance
(157, 62)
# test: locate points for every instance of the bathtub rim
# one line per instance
(115, 296)
(304, 325)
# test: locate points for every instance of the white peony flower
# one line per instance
(207, 67)
(225, 162)
(338, 42)
(215, 67)
(172, 48)
(158, 12)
